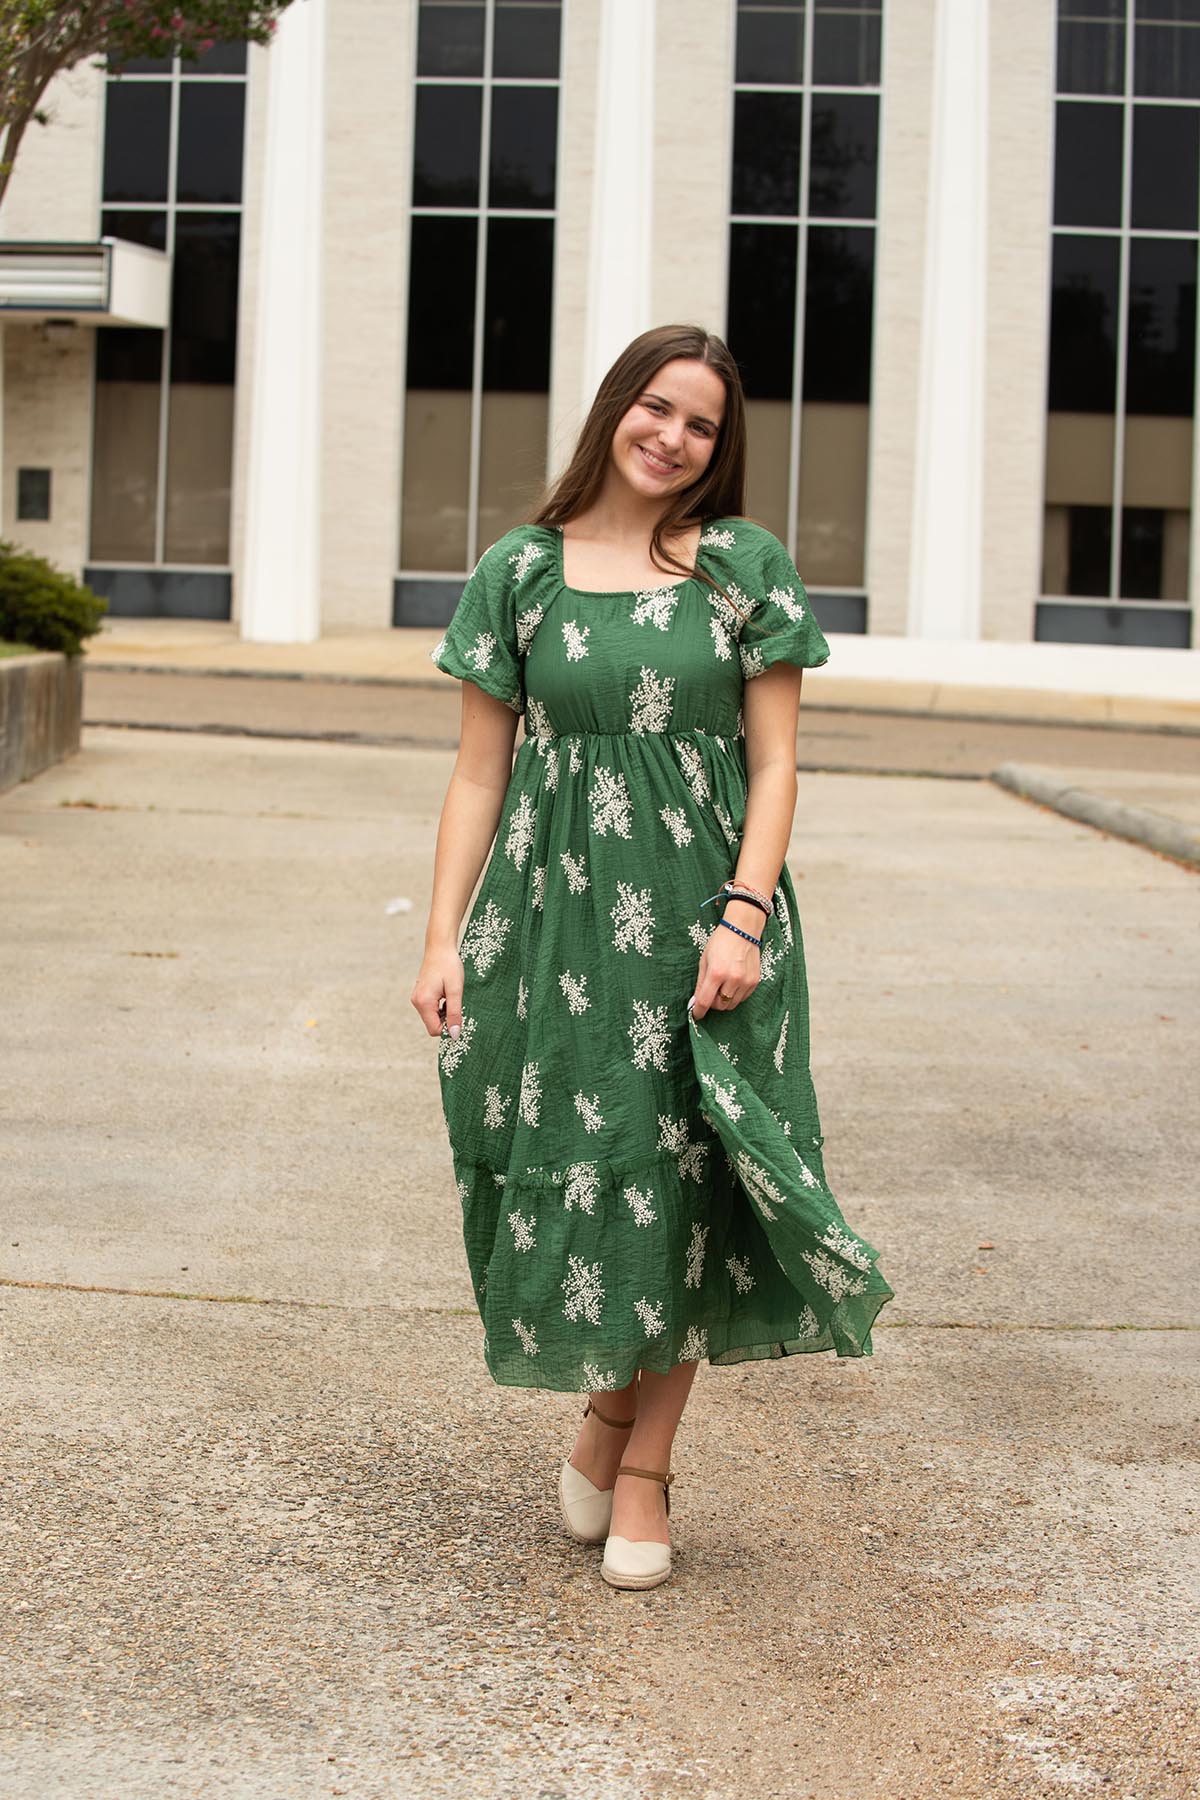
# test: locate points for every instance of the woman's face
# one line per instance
(666, 440)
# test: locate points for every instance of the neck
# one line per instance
(618, 514)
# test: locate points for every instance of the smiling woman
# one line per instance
(626, 1084)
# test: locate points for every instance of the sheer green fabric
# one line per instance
(638, 1188)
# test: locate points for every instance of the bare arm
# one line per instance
(466, 831)
(771, 705)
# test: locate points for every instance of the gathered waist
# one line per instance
(722, 738)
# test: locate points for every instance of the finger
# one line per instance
(453, 1012)
(430, 1017)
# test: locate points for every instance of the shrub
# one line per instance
(41, 606)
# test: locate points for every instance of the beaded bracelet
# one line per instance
(740, 890)
(749, 939)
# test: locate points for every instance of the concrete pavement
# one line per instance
(271, 1531)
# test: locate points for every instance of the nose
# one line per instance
(670, 433)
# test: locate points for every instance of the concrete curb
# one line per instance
(1171, 837)
(41, 711)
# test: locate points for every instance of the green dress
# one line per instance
(639, 1188)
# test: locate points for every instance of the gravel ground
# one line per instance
(269, 1529)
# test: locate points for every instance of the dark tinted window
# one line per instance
(1162, 327)
(1166, 49)
(450, 37)
(1089, 549)
(149, 228)
(1091, 46)
(516, 326)
(844, 156)
(1142, 545)
(126, 354)
(846, 41)
(137, 131)
(1083, 322)
(770, 40)
(204, 297)
(222, 59)
(1166, 162)
(211, 116)
(446, 148)
(766, 153)
(1087, 164)
(526, 38)
(837, 315)
(140, 65)
(762, 307)
(441, 303)
(524, 139)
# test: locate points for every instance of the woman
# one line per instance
(624, 1046)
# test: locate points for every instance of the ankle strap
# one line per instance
(650, 1474)
(621, 1424)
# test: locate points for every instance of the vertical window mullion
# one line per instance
(164, 393)
(485, 155)
(1118, 504)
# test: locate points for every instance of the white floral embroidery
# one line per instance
(785, 1125)
(808, 1325)
(481, 652)
(520, 832)
(832, 1277)
(589, 1111)
(783, 915)
(739, 1269)
(722, 642)
(529, 1105)
(727, 1053)
(485, 937)
(527, 624)
(693, 770)
(768, 957)
(650, 702)
(610, 804)
(786, 598)
(695, 1256)
(639, 1205)
(752, 662)
(452, 1050)
(528, 1337)
(700, 933)
(806, 1174)
(741, 609)
(524, 560)
(717, 539)
(781, 1046)
(675, 820)
(537, 720)
(583, 1284)
(522, 998)
(495, 1107)
(522, 1230)
(549, 752)
(673, 1136)
(575, 755)
(633, 918)
(575, 989)
(597, 1382)
(499, 1180)
(651, 1035)
(694, 1345)
(654, 607)
(728, 828)
(725, 1097)
(537, 897)
(575, 870)
(439, 650)
(650, 1312)
(575, 637)
(582, 1187)
(846, 1246)
(758, 1184)
(463, 1188)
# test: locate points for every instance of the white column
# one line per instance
(618, 305)
(280, 599)
(945, 572)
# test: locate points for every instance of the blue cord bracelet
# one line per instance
(747, 935)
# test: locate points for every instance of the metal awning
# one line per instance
(109, 282)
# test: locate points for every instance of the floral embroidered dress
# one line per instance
(639, 1188)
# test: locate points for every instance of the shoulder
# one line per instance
(742, 542)
(523, 552)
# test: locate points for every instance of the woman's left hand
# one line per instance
(729, 973)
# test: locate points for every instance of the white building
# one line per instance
(380, 267)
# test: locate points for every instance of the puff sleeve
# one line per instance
(782, 627)
(480, 644)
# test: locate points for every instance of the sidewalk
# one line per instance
(272, 1532)
(1076, 683)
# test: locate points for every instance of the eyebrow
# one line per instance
(701, 418)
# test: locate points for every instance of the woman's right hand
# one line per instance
(437, 993)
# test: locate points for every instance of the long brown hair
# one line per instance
(721, 490)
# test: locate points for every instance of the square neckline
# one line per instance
(618, 593)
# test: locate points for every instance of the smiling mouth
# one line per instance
(657, 463)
